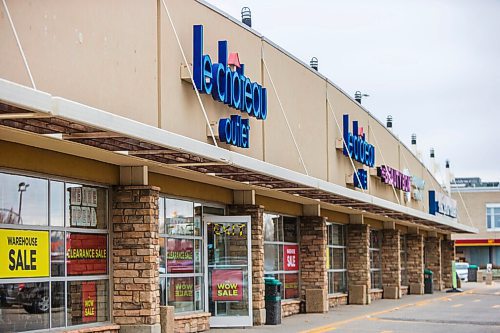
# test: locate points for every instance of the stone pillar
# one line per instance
(256, 213)
(391, 263)
(358, 263)
(433, 260)
(136, 296)
(313, 275)
(415, 263)
(447, 256)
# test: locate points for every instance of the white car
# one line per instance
(462, 269)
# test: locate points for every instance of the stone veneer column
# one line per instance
(391, 264)
(256, 213)
(358, 263)
(447, 256)
(136, 298)
(415, 263)
(312, 262)
(433, 257)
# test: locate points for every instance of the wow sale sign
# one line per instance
(227, 285)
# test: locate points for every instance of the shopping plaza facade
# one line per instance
(165, 154)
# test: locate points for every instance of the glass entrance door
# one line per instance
(229, 267)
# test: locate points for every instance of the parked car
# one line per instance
(462, 269)
(33, 297)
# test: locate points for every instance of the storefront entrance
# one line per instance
(229, 267)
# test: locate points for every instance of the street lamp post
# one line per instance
(22, 188)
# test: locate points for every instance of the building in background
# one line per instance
(478, 205)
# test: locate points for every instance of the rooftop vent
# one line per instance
(389, 122)
(314, 63)
(447, 164)
(358, 96)
(246, 16)
(432, 153)
(413, 139)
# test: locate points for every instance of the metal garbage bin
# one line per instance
(428, 288)
(472, 273)
(273, 301)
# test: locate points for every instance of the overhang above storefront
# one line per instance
(39, 113)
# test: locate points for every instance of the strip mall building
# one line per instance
(163, 153)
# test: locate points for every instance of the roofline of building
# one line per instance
(315, 72)
(41, 102)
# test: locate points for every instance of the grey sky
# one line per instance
(433, 65)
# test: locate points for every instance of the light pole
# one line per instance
(22, 188)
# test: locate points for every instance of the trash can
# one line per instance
(428, 288)
(472, 273)
(273, 301)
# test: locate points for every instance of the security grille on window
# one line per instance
(53, 253)
(181, 268)
(375, 259)
(336, 259)
(281, 252)
(493, 217)
(404, 260)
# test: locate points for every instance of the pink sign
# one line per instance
(291, 256)
(395, 178)
(227, 285)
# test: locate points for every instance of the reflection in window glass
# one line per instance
(180, 255)
(86, 207)
(57, 253)
(179, 219)
(56, 203)
(161, 215)
(375, 259)
(336, 259)
(290, 226)
(185, 293)
(291, 285)
(163, 291)
(24, 306)
(58, 307)
(23, 200)
(87, 302)
(272, 225)
(271, 257)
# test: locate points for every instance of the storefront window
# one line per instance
(281, 252)
(181, 265)
(375, 259)
(52, 276)
(336, 259)
(404, 261)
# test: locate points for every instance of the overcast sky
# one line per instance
(434, 65)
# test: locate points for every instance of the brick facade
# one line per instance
(336, 300)
(313, 274)
(447, 256)
(391, 262)
(415, 263)
(433, 260)
(198, 322)
(358, 261)
(136, 298)
(256, 213)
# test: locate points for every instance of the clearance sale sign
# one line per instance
(24, 253)
(227, 285)
(86, 254)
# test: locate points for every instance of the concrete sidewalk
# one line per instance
(477, 309)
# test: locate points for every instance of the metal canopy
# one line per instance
(36, 112)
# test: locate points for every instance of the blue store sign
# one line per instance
(230, 87)
(355, 144)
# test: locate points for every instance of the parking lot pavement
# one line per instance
(477, 309)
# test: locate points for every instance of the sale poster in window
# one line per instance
(291, 257)
(89, 302)
(227, 285)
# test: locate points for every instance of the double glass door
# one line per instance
(228, 264)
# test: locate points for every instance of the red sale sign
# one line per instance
(89, 302)
(291, 256)
(227, 285)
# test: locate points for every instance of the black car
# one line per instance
(33, 297)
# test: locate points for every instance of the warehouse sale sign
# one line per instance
(24, 253)
(227, 285)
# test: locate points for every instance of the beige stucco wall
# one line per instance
(475, 202)
(123, 57)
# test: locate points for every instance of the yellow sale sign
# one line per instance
(24, 253)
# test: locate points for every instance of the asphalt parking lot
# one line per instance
(477, 309)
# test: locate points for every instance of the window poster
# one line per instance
(291, 257)
(86, 254)
(181, 289)
(83, 203)
(89, 302)
(180, 256)
(227, 285)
